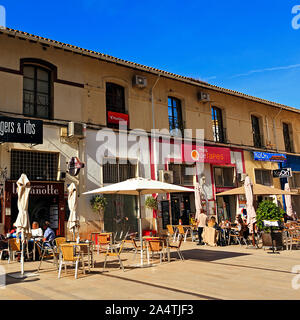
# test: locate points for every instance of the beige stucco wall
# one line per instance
(88, 104)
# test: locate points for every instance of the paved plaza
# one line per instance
(231, 272)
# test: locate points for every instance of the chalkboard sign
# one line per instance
(21, 130)
(165, 213)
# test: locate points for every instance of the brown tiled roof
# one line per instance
(105, 57)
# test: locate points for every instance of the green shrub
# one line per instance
(98, 204)
(267, 210)
(151, 203)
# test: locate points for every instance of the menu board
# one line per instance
(53, 216)
(165, 213)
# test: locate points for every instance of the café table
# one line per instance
(89, 247)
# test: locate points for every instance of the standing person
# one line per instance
(201, 224)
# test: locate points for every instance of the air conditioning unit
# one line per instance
(166, 176)
(76, 130)
(203, 96)
(140, 81)
(242, 176)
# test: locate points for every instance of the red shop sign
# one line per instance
(116, 117)
(213, 155)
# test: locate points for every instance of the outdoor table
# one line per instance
(90, 252)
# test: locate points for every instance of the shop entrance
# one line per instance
(40, 209)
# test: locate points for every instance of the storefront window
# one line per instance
(263, 177)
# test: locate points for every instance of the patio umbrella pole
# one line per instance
(22, 253)
(140, 226)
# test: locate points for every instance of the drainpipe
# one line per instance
(153, 126)
(274, 129)
(154, 148)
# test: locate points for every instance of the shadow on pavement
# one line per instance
(208, 255)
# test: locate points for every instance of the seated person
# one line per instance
(242, 227)
(49, 234)
(36, 231)
(13, 232)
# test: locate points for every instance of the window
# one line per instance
(42, 166)
(115, 98)
(257, 137)
(263, 177)
(36, 91)
(217, 125)
(119, 171)
(287, 134)
(175, 115)
(183, 174)
(295, 180)
(224, 176)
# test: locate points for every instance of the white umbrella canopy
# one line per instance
(288, 201)
(73, 222)
(138, 187)
(251, 214)
(22, 223)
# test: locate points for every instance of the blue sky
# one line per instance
(248, 46)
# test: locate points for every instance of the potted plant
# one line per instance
(98, 204)
(151, 203)
(268, 210)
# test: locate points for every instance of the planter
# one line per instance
(276, 236)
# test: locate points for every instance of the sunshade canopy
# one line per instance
(139, 186)
(258, 189)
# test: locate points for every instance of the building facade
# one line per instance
(61, 84)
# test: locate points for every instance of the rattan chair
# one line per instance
(14, 247)
(69, 254)
(171, 232)
(155, 246)
(177, 247)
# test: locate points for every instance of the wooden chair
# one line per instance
(114, 250)
(69, 255)
(155, 246)
(171, 232)
(177, 248)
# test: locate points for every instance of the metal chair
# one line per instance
(47, 250)
(155, 246)
(114, 250)
(177, 248)
(69, 255)
(171, 232)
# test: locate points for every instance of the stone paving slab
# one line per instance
(208, 273)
